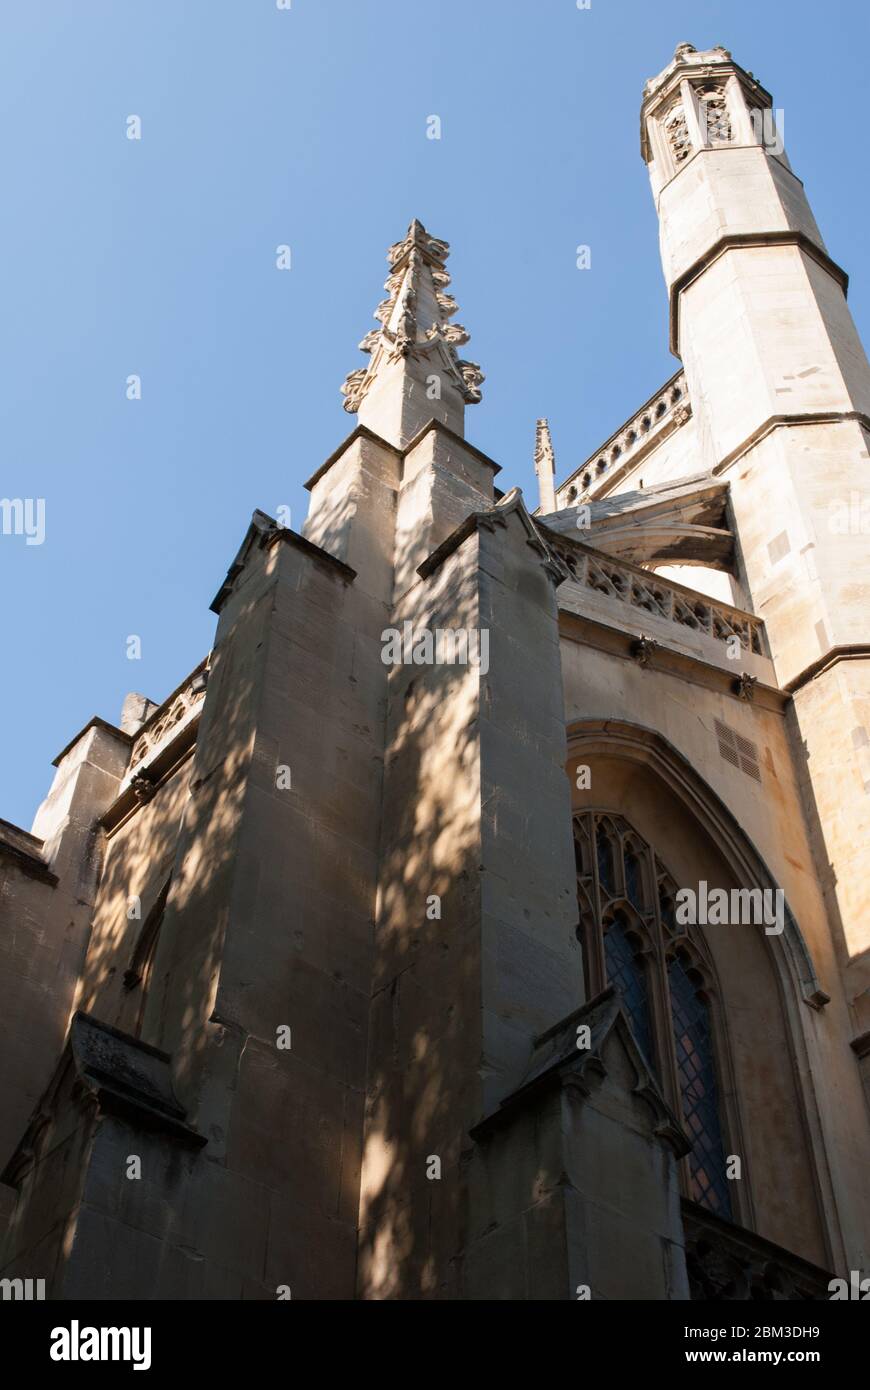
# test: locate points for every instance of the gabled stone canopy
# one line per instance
(682, 523)
(558, 1056)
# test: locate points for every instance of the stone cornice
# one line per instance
(736, 241)
(265, 532)
(441, 428)
(95, 722)
(360, 432)
(856, 651)
(773, 422)
(488, 520)
(25, 850)
(151, 777)
(363, 432)
(616, 641)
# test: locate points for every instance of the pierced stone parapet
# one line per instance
(171, 714)
(727, 1262)
(663, 413)
(661, 597)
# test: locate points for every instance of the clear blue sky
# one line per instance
(308, 127)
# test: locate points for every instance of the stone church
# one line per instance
(484, 917)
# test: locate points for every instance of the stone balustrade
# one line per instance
(727, 1262)
(662, 597)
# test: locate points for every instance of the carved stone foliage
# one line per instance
(544, 453)
(417, 276)
(726, 1262)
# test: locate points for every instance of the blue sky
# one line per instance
(307, 127)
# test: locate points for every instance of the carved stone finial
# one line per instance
(414, 321)
(682, 48)
(545, 467)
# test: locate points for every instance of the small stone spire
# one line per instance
(545, 467)
(415, 373)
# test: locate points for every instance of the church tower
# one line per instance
(780, 389)
(356, 967)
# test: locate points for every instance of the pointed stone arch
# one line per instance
(642, 778)
(636, 743)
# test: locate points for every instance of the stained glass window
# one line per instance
(605, 861)
(633, 881)
(628, 977)
(628, 950)
(697, 1072)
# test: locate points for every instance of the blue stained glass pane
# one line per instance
(605, 861)
(694, 1042)
(627, 976)
(633, 882)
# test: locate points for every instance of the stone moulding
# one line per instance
(95, 722)
(496, 516)
(174, 710)
(736, 241)
(363, 432)
(794, 421)
(593, 630)
(664, 598)
(115, 1074)
(264, 531)
(556, 1060)
(666, 411)
(26, 851)
(710, 811)
(727, 1262)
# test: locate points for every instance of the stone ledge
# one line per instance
(265, 531)
(359, 432)
(25, 850)
(95, 722)
(123, 1076)
(737, 241)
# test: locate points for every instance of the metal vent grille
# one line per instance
(740, 752)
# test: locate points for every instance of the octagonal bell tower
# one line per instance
(780, 388)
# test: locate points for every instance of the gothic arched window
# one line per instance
(625, 971)
(665, 982)
(714, 117)
(678, 133)
(693, 1038)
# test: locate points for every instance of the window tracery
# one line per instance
(665, 981)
